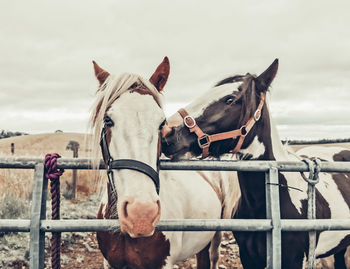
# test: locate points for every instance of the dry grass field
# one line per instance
(19, 182)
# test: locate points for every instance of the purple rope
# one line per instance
(52, 173)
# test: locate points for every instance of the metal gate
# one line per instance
(37, 225)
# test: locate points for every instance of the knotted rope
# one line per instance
(313, 178)
(52, 173)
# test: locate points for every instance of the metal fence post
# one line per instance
(38, 212)
(273, 238)
(311, 214)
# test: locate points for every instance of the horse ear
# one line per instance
(100, 74)
(265, 79)
(160, 76)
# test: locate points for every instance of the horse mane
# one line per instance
(232, 79)
(250, 98)
(106, 95)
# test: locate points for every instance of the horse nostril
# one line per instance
(159, 207)
(125, 211)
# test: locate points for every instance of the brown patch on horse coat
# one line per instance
(342, 156)
(121, 250)
(203, 259)
(342, 179)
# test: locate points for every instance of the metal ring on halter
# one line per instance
(203, 141)
(257, 114)
(243, 130)
(188, 125)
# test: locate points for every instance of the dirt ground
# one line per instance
(84, 253)
(80, 250)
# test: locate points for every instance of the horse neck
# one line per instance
(265, 145)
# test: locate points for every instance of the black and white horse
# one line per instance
(237, 109)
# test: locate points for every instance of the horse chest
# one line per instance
(140, 253)
(122, 251)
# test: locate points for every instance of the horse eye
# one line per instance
(133, 86)
(108, 121)
(229, 101)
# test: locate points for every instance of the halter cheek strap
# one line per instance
(204, 140)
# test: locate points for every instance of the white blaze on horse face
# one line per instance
(196, 108)
(135, 136)
(136, 131)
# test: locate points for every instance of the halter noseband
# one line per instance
(204, 140)
(125, 164)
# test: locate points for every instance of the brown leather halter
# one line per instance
(204, 140)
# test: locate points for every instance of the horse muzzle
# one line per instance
(139, 219)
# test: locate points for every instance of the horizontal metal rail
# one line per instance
(245, 225)
(273, 225)
(14, 225)
(315, 141)
(213, 165)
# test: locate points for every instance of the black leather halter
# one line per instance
(125, 164)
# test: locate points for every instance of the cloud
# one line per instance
(47, 48)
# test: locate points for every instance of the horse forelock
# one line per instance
(107, 94)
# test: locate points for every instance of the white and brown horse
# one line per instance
(234, 117)
(126, 120)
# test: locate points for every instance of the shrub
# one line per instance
(12, 207)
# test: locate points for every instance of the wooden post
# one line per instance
(75, 172)
(38, 213)
(74, 146)
(12, 148)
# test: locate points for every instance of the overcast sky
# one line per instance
(46, 48)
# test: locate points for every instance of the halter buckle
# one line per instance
(189, 122)
(243, 130)
(203, 141)
(257, 114)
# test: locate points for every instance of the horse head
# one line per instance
(225, 119)
(126, 120)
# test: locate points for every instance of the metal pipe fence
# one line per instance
(37, 225)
